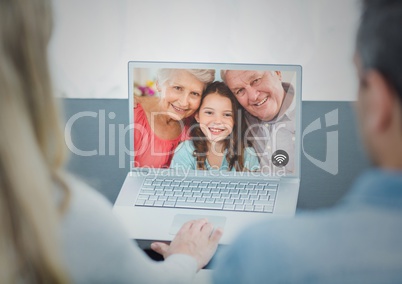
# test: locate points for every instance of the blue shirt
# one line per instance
(359, 241)
(183, 158)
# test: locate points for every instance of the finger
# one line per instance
(207, 229)
(216, 235)
(160, 247)
(186, 226)
(198, 224)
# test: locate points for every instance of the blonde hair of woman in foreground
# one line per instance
(39, 209)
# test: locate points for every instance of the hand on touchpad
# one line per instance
(180, 219)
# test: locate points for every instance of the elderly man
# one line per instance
(270, 113)
(358, 241)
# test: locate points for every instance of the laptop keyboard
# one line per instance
(250, 196)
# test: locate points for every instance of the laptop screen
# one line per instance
(214, 117)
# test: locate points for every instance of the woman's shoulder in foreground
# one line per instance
(81, 193)
(98, 249)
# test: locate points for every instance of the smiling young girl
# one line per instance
(216, 141)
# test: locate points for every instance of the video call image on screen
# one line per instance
(214, 119)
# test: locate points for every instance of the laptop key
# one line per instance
(205, 190)
(235, 196)
(264, 202)
(224, 190)
(169, 204)
(259, 208)
(268, 209)
(249, 208)
(228, 207)
(158, 203)
(248, 202)
(239, 207)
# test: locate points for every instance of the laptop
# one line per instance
(153, 203)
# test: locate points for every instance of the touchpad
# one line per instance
(180, 219)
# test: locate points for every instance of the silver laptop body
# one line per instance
(145, 222)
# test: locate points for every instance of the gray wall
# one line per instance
(318, 188)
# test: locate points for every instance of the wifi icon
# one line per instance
(280, 158)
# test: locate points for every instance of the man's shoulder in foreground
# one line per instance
(355, 242)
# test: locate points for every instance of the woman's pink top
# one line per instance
(150, 151)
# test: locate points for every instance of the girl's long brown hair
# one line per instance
(234, 143)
